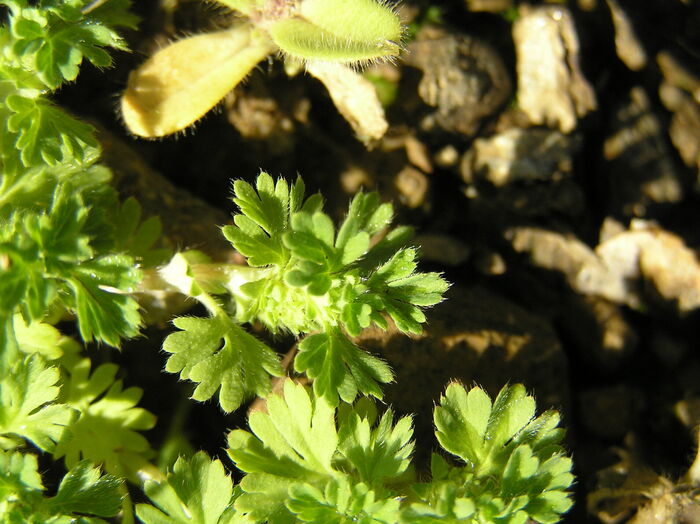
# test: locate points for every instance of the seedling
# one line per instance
(303, 276)
(183, 81)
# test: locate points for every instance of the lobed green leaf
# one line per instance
(301, 468)
(29, 407)
(83, 491)
(340, 368)
(197, 490)
(219, 355)
(107, 430)
(501, 443)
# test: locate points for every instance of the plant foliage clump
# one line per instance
(304, 276)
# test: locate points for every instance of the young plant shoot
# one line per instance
(182, 82)
(304, 275)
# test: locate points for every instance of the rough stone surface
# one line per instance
(518, 155)
(354, 96)
(680, 93)
(641, 171)
(464, 79)
(627, 44)
(551, 88)
(620, 266)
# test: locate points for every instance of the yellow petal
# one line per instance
(182, 82)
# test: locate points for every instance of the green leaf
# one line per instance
(42, 338)
(294, 441)
(220, 356)
(45, 134)
(265, 216)
(138, 238)
(296, 437)
(340, 368)
(443, 504)
(18, 473)
(398, 290)
(28, 409)
(197, 490)
(379, 453)
(300, 468)
(520, 455)
(85, 490)
(104, 312)
(49, 255)
(53, 39)
(107, 430)
(341, 502)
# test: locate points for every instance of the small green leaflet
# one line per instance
(83, 491)
(106, 431)
(300, 467)
(196, 491)
(376, 451)
(50, 256)
(20, 486)
(28, 407)
(138, 237)
(53, 38)
(502, 443)
(397, 289)
(46, 134)
(340, 502)
(264, 218)
(220, 356)
(340, 368)
(43, 339)
(43, 46)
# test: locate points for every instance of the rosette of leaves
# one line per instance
(305, 276)
(514, 467)
(183, 81)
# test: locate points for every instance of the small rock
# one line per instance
(412, 186)
(620, 265)
(354, 96)
(464, 79)
(446, 157)
(641, 168)
(680, 93)
(518, 154)
(551, 88)
(627, 45)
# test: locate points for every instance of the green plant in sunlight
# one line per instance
(68, 249)
(184, 80)
(304, 275)
(73, 257)
(306, 461)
